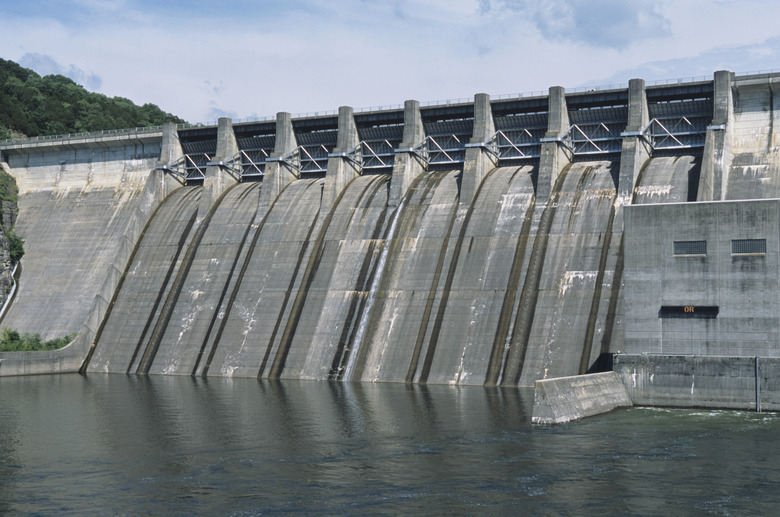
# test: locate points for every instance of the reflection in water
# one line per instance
(125, 444)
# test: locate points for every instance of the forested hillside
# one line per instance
(31, 105)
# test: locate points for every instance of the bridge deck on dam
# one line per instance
(471, 243)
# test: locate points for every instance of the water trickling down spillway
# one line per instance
(497, 291)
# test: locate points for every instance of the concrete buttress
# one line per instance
(717, 144)
(341, 170)
(406, 166)
(277, 174)
(636, 150)
(554, 155)
(218, 178)
(479, 161)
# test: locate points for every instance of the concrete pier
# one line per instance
(219, 178)
(636, 150)
(479, 160)
(554, 155)
(277, 174)
(341, 169)
(713, 184)
(406, 166)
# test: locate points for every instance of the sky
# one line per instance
(245, 59)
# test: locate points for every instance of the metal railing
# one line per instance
(91, 134)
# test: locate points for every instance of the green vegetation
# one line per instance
(9, 194)
(15, 243)
(31, 105)
(8, 190)
(12, 341)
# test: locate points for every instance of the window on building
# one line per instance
(690, 247)
(748, 247)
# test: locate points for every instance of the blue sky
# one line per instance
(203, 59)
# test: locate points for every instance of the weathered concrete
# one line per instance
(202, 299)
(420, 248)
(667, 179)
(717, 147)
(75, 208)
(554, 155)
(277, 174)
(471, 331)
(120, 345)
(479, 161)
(341, 169)
(564, 399)
(259, 304)
(83, 207)
(748, 383)
(406, 166)
(754, 166)
(170, 150)
(325, 322)
(476, 275)
(744, 287)
(569, 279)
(219, 178)
(636, 150)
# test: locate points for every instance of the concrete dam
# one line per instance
(478, 243)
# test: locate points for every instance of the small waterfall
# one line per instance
(371, 296)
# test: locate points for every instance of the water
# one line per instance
(372, 294)
(115, 444)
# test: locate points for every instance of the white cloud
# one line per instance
(615, 24)
(201, 59)
(47, 65)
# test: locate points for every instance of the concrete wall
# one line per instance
(753, 170)
(83, 205)
(744, 287)
(747, 383)
(564, 399)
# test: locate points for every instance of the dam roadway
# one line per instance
(474, 243)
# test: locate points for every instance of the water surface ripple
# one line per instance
(116, 444)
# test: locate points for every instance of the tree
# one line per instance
(33, 105)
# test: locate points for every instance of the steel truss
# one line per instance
(514, 144)
(374, 154)
(443, 149)
(247, 164)
(584, 139)
(305, 159)
(674, 133)
(189, 167)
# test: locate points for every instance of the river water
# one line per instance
(115, 444)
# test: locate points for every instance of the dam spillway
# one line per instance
(425, 292)
(478, 243)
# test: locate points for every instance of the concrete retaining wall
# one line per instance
(570, 398)
(688, 381)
